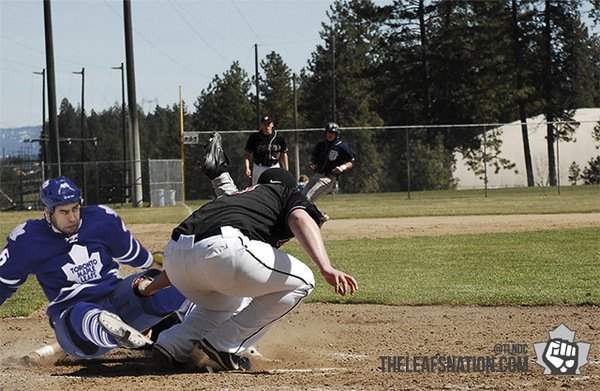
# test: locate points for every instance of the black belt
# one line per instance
(197, 237)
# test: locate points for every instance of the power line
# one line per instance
(246, 22)
(197, 32)
(159, 49)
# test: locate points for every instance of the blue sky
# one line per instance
(176, 42)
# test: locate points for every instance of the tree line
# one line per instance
(410, 62)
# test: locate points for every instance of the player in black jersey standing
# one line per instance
(265, 149)
(329, 159)
(225, 259)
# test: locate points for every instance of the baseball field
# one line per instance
(455, 290)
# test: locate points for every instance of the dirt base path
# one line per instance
(340, 347)
(337, 347)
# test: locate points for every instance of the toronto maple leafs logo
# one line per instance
(561, 355)
(85, 267)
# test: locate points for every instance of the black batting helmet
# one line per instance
(333, 127)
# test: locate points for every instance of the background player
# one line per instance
(265, 149)
(329, 159)
(73, 252)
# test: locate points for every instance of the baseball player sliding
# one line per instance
(225, 258)
(329, 159)
(75, 253)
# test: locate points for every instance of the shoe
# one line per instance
(215, 160)
(225, 361)
(162, 358)
(126, 336)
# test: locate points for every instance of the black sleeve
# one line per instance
(314, 158)
(284, 147)
(250, 144)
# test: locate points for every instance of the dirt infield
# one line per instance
(340, 347)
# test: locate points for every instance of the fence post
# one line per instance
(557, 138)
(485, 158)
(407, 163)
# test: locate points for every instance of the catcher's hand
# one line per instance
(141, 282)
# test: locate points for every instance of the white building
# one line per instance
(581, 151)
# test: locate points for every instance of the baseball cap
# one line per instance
(266, 119)
(277, 176)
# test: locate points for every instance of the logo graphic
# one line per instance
(18, 231)
(85, 267)
(561, 355)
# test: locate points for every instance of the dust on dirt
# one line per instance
(341, 347)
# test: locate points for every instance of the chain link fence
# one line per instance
(101, 182)
(399, 159)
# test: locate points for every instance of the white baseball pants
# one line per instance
(240, 286)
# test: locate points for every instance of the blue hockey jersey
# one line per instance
(81, 267)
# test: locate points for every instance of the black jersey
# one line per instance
(329, 155)
(260, 212)
(266, 149)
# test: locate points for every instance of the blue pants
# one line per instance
(139, 312)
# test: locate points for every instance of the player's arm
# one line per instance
(12, 272)
(123, 246)
(314, 157)
(160, 282)
(250, 146)
(247, 157)
(309, 236)
(285, 161)
(343, 167)
(347, 157)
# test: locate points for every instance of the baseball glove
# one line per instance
(143, 280)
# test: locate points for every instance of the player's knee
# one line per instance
(309, 282)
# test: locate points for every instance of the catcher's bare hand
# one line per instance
(140, 285)
(342, 282)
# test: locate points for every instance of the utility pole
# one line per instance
(333, 96)
(54, 155)
(124, 129)
(138, 197)
(257, 86)
(44, 138)
(181, 130)
(296, 147)
(82, 129)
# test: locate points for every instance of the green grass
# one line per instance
(532, 268)
(546, 267)
(537, 200)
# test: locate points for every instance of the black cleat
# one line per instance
(215, 160)
(225, 361)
